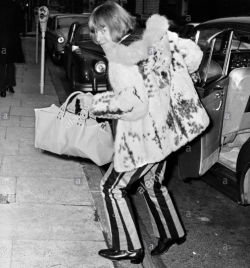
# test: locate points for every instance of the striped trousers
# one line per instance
(114, 187)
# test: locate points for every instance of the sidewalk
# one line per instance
(47, 213)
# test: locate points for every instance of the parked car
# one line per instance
(84, 63)
(221, 155)
(186, 30)
(57, 32)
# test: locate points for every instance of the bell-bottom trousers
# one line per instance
(7, 76)
(114, 186)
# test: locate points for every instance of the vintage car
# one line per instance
(84, 62)
(221, 155)
(57, 32)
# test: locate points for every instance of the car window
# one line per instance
(53, 24)
(65, 22)
(83, 33)
(185, 31)
(241, 40)
(49, 23)
(217, 49)
(204, 35)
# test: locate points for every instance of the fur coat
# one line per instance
(153, 98)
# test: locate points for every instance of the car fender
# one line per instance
(82, 63)
(242, 167)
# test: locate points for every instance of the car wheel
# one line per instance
(56, 58)
(73, 77)
(246, 186)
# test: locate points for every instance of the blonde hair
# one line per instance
(114, 17)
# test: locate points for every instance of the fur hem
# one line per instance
(156, 27)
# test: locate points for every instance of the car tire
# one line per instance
(73, 77)
(56, 58)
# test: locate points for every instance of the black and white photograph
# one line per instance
(124, 134)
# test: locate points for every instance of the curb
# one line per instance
(62, 96)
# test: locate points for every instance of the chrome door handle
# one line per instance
(218, 87)
(217, 109)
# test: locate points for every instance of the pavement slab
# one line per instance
(55, 222)
(5, 253)
(8, 147)
(7, 185)
(61, 254)
(23, 111)
(2, 132)
(4, 111)
(37, 104)
(58, 191)
(48, 165)
(10, 102)
(10, 121)
(35, 97)
(20, 133)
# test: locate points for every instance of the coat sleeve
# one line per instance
(128, 101)
(127, 105)
(191, 53)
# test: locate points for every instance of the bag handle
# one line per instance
(84, 114)
(65, 104)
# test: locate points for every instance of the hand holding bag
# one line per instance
(61, 132)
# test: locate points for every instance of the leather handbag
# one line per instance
(64, 133)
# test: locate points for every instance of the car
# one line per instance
(57, 33)
(186, 30)
(85, 63)
(220, 156)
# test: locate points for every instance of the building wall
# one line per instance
(204, 10)
(147, 7)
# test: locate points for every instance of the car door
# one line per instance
(203, 152)
(68, 48)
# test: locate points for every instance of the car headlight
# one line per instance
(60, 40)
(100, 67)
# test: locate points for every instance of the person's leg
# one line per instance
(119, 212)
(2, 77)
(10, 77)
(165, 221)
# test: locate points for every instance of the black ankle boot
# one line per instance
(3, 94)
(135, 256)
(165, 244)
(10, 89)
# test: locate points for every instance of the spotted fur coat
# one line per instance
(153, 98)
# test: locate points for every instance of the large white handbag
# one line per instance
(64, 133)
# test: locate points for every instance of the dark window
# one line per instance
(83, 33)
(65, 22)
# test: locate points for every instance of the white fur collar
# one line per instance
(156, 27)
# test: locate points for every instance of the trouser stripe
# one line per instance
(130, 178)
(164, 205)
(110, 180)
(153, 208)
